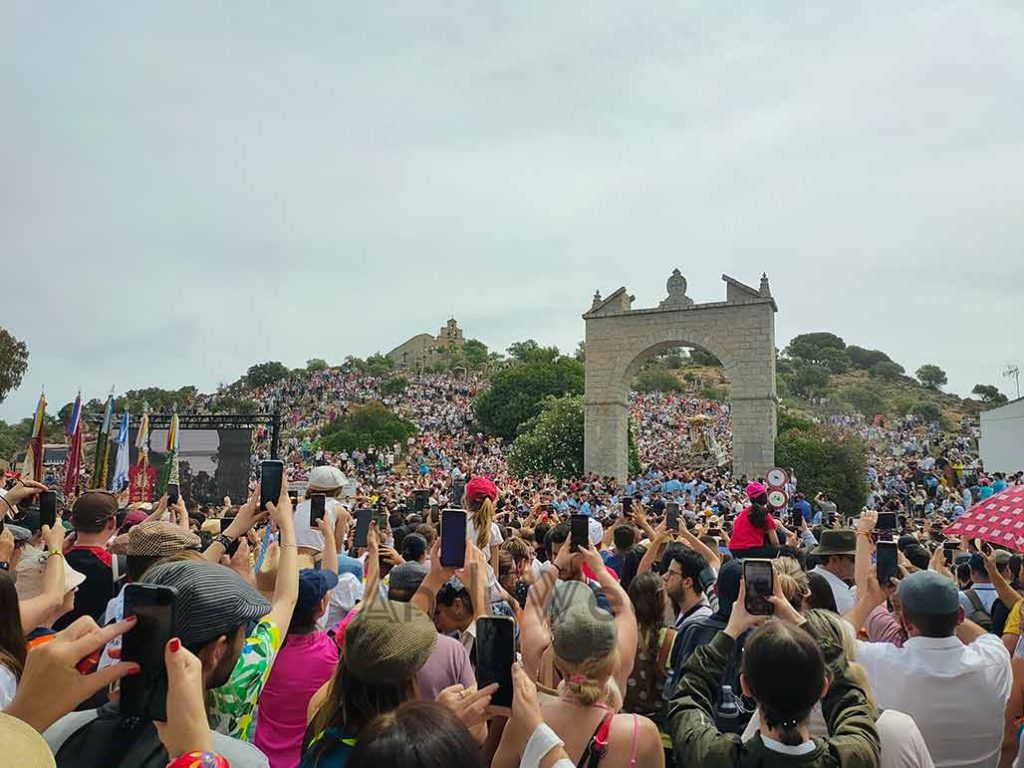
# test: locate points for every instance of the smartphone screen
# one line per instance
(453, 538)
(579, 532)
(886, 562)
(382, 522)
(172, 493)
(495, 654)
(317, 507)
(363, 518)
(759, 578)
(886, 521)
(48, 508)
(271, 473)
(458, 491)
(145, 694)
(949, 550)
(627, 505)
(672, 515)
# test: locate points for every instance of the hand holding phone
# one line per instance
(317, 509)
(495, 654)
(145, 695)
(579, 532)
(48, 508)
(363, 519)
(759, 579)
(886, 562)
(271, 477)
(453, 538)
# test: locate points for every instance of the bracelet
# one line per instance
(54, 554)
(199, 760)
(288, 545)
(224, 541)
(542, 741)
(862, 532)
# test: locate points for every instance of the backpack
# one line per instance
(979, 615)
(702, 631)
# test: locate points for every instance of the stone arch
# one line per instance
(739, 331)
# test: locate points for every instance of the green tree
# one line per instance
(264, 374)
(233, 404)
(378, 364)
(530, 351)
(157, 398)
(810, 347)
(989, 394)
(865, 359)
(657, 380)
(516, 393)
(828, 461)
(809, 380)
(316, 364)
(13, 363)
(551, 443)
(866, 399)
(474, 352)
(929, 413)
(673, 361)
(702, 357)
(581, 351)
(931, 376)
(886, 370)
(836, 360)
(394, 386)
(370, 424)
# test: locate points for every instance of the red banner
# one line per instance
(141, 482)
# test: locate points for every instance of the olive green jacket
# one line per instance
(691, 719)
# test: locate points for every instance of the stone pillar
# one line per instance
(753, 436)
(606, 437)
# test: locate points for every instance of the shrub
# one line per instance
(657, 380)
(370, 424)
(516, 394)
(828, 461)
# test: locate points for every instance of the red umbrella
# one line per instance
(999, 519)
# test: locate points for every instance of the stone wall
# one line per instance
(619, 340)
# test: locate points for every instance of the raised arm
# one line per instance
(654, 550)
(432, 583)
(863, 568)
(622, 610)
(244, 521)
(286, 588)
(698, 546)
(1006, 593)
(43, 609)
(330, 553)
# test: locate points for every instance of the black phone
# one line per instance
(48, 508)
(495, 654)
(382, 521)
(145, 695)
(453, 538)
(420, 499)
(363, 519)
(886, 562)
(458, 491)
(172, 493)
(271, 475)
(579, 532)
(714, 531)
(759, 578)
(986, 548)
(886, 521)
(627, 505)
(949, 550)
(672, 515)
(317, 508)
(225, 522)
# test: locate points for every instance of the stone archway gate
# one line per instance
(739, 331)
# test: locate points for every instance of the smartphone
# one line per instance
(48, 508)
(760, 583)
(672, 515)
(225, 522)
(458, 491)
(363, 518)
(627, 505)
(172, 493)
(716, 532)
(949, 550)
(271, 474)
(495, 654)
(382, 521)
(317, 508)
(886, 562)
(145, 695)
(886, 521)
(420, 499)
(579, 532)
(453, 538)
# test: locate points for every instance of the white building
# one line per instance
(1002, 437)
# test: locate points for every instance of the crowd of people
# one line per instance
(691, 625)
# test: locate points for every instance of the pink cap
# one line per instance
(479, 487)
(754, 490)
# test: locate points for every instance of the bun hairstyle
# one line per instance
(582, 682)
(785, 672)
(758, 514)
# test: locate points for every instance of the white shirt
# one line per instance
(840, 590)
(305, 536)
(344, 597)
(955, 693)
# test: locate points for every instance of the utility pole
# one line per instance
(1013, 371)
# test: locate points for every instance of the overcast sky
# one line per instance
(195, 187)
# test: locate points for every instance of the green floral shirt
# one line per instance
(233, 705)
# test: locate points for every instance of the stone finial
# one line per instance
(765, 290)
(676, 287)
(597, 299)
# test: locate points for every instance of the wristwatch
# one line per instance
(224, 540)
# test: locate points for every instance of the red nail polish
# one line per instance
(175, 645)
(134, 671)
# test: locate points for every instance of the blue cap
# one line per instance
(313, 585)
